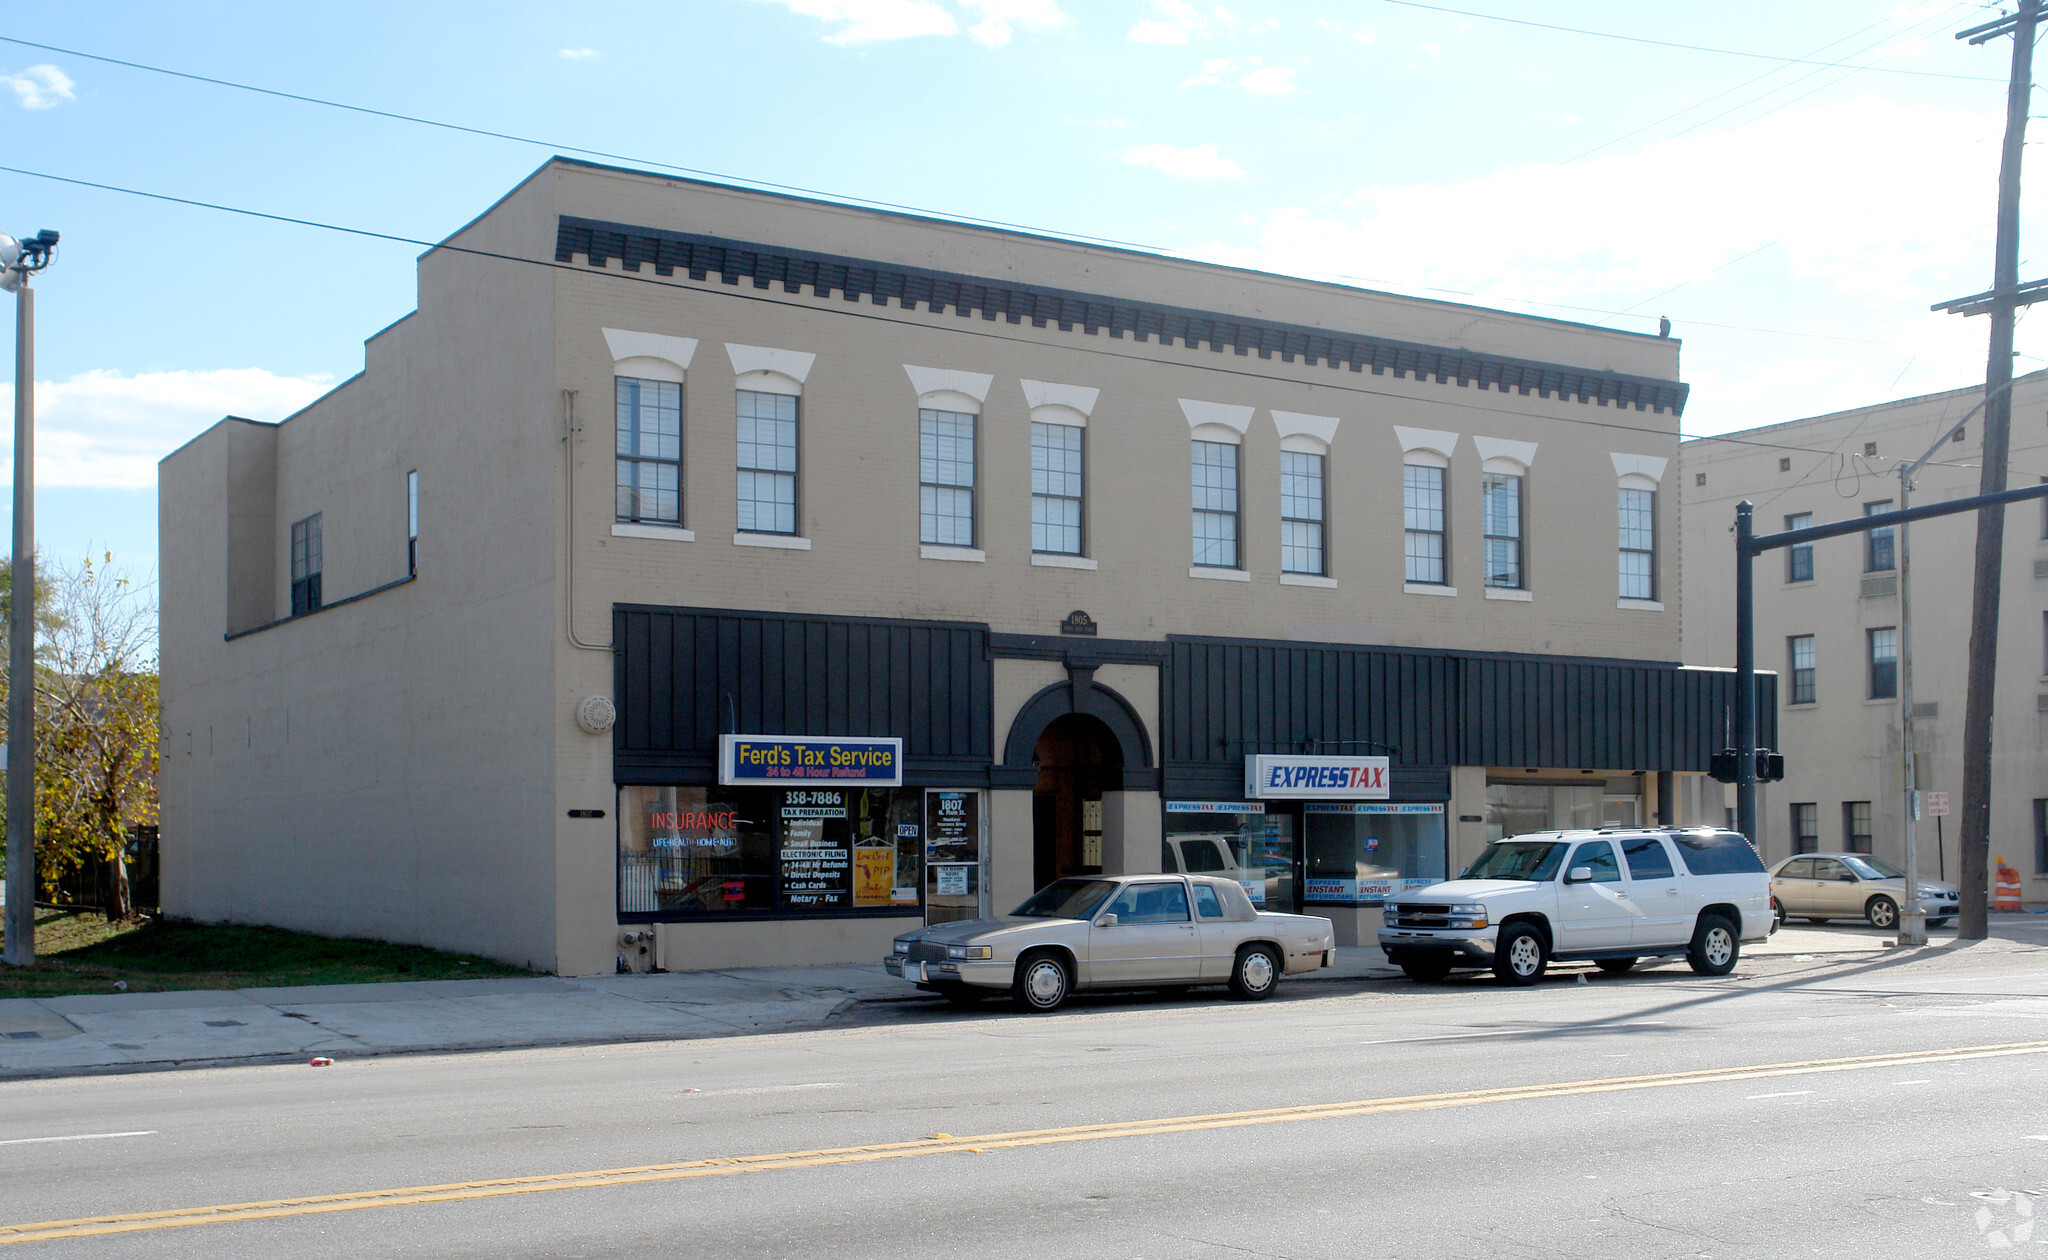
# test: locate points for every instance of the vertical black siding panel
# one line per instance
(838, 678)
(661, 680)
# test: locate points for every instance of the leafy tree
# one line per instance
(96, 723)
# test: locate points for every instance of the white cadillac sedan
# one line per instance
(1115, 932)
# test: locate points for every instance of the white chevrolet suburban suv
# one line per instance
(1611, 897)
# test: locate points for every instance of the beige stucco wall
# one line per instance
(1846, 747)
(380, 768)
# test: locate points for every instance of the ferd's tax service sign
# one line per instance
(764, 760)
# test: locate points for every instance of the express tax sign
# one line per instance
(777, 759)
(1310, 778)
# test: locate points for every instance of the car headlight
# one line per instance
(902, 947)
(1467, 915)
(969, 951)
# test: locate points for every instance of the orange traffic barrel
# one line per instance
(2008, 888)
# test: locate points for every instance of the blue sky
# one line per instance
(1794, 220)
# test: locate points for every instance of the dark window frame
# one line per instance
(1805, 826)
(1853, 814)
(1884, 671)
(1514, 544)
(1799, 556)
(1319, 522)
(1042, 479)
(1802, 677)
(630, 458)
(928, 465)
(2040, 836)
(1412, 513)
(412, 523)
(1650, 552)
(1235, 514)
(308, 560)
(794, 472)
(1880, 546)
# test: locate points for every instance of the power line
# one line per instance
(1700, 48)
(489, 134)
(874, 314)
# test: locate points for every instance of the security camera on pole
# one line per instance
(18, 261)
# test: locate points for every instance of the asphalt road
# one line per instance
(1652, 1115)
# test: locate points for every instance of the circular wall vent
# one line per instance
(596, 714)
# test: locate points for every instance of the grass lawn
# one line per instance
(83, 953)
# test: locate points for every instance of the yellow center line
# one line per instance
(451, 1192)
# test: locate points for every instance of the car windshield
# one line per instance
(1874, 868)
(1518, 859)
(1065, 899)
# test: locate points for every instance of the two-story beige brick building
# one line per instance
(1828, 620)
(701, 577)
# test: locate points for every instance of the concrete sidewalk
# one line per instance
(116, 1032)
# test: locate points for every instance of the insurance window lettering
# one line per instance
(716, 852)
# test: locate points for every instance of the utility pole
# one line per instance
(18, 261)
(2004, 299)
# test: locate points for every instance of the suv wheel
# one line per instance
(1519, 954)
(1883, 913)
(1043, 982)
(1715, 947)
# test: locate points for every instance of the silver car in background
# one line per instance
(1115, 932)
(1822, 886)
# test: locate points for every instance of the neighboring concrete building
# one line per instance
(703, 577)
(1827, 620)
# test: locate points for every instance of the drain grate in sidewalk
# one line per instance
(23, 1036)
(224, 1023)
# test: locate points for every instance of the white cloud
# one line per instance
(1201, 162)
(1433, 50)
(578, 54)
(997, 17)
(1270, 81)
(41, 87)
(1177, 22)
(1869, 209)
(105, 430)
(874, 21)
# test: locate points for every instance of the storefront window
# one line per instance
(714, 852)
(1516, 807)
(1236, 840)
(1359, 853)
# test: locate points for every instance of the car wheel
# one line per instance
(1937, 923)
(1425, 973)
(1883, 913)
(962, 995)
(1715, 947)
(1256, 973)
(1043, 982)
(1614, 966)
(1777, 914)
(1519, 954)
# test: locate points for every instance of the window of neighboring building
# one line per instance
(1216, 510)
(1638, 544)
(1056, 488)
(1805, 826)
(2040, 836)
(412, 523)
(767, 463)
(945, 477)
(305, 565)
(1856, 826)
(1877, 548)
(1301, 513)
(1799, 556)
(2044, 644)
(1422, 506)
(1500, 510)
(650, 450)
(1884, 662)
(1800, 649)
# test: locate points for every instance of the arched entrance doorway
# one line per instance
(1078, 758)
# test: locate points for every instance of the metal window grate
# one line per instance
(2041, 568)
(2041, 702)
(1926, 709)
(1878, 587)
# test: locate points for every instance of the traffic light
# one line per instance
(1770, 766)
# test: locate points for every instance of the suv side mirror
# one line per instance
(1579, 875)
(1107, 920)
